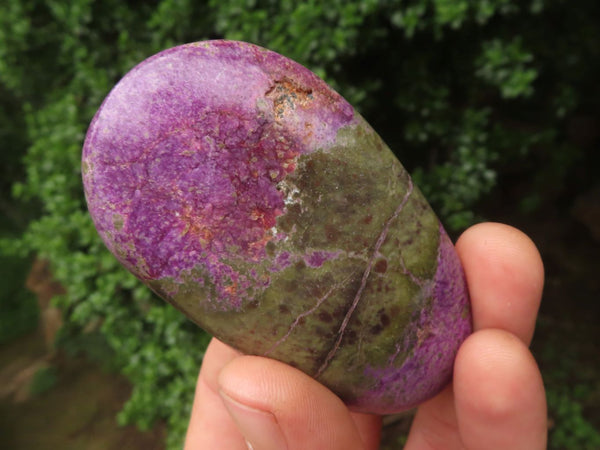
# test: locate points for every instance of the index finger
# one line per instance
(505, 276)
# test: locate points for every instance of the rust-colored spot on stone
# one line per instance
(376, 329)
(332, 233)
(253, 304)
(287, 95)
(384, 318)
(325, 316)
(380, 266)
(350, 337)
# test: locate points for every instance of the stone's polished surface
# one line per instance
(251, 196)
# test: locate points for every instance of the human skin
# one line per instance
(496, 400)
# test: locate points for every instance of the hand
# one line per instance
(496, 400)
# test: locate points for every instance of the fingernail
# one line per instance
(259, 428)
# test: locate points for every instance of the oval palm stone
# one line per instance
(250, 195)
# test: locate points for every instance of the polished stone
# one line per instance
(246, 192)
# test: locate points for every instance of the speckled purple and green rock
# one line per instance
(250, 195)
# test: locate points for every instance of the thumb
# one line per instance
(277, 407)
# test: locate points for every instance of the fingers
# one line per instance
(277, 407)
(270, 405)
(497, 401)
(499, 394)
(210, 424)
(435, 425)
(369, 429)
(505, 276)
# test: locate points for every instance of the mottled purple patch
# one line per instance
(185, 154)
(283, 260)
(431, 340)
(318, 258)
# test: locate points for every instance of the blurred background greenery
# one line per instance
(493, 105)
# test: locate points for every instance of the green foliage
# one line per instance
(572, 430)
(43, 380)
(18, 307)
(505, 65)
(458, 183)
(570, 390)
(466, 92)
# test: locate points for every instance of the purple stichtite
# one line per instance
(250, 195)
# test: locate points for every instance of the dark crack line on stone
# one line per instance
(319, 302)
(363, 283)
(415, 279)
(396, 353)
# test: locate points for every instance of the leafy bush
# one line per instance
(466, 92)
(18, 308)
(571, 386)
(572, 430)
(43, 380)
